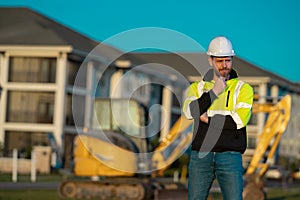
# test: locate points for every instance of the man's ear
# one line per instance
(210, 61)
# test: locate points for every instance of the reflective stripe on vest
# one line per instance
(189, 99)
(226, 104)
(231, 107)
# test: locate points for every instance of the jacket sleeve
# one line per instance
(197, 102)
(243, 107)
(191, 95)
(200, 106)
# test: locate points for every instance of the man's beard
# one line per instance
(222, 73)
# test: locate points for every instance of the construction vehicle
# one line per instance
(125, 166)
(268, 140)
(117, 152)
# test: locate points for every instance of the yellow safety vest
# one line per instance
(236, 100)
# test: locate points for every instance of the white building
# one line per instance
(43, 65)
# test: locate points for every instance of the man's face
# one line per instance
(222, 65)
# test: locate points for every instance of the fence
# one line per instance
(39, 163)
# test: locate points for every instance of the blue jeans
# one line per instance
(225, 166)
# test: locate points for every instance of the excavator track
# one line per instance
(104, 189)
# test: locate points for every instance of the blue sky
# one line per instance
(265, 33)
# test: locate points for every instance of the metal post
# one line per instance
(33, 167)
(176, 177)
(166, 112)
(15, 166)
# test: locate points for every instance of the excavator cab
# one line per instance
(122, 121)
(117, 141)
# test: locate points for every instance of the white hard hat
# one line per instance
(219, 47)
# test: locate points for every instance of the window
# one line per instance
(75, 113)
(174, 118)
(24, 141)
(103, 85)
(251, 142)
(77, 71)
(255, 89)
(119, 115)
(142, 83)
(32, 70)
(30, 107)
(176, 98)
(253, 119)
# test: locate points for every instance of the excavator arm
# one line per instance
(268, 140)
(174, 144)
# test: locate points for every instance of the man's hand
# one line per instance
(204, 118)
(220, 85)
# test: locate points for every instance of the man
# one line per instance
(220, 105)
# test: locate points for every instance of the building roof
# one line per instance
(22, 26)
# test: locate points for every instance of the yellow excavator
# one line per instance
(117, 154)
(268, 140)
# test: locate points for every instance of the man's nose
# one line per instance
(224, 63)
